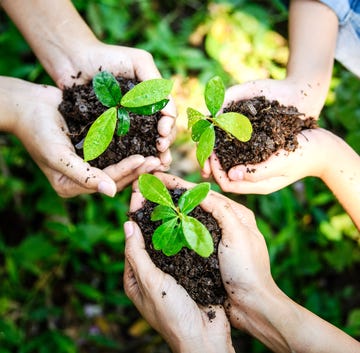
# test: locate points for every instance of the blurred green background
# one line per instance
(61, 261)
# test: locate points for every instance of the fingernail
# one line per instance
(128, 229)
(236, 175)
(106, 188)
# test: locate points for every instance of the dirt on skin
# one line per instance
(80, 108)
(198, 275)
(275, 127)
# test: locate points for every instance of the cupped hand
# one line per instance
(43, 132)
(280, 170)
(127, 62)
(166, 305)
(307, 97)
(243, 257)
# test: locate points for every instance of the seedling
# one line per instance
(178, 229)
(202, 127)
(145, 98)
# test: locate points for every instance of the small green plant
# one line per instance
(203, 127)
(145, 98)
(178, 229)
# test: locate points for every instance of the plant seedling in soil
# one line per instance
(145, 98)
(202, 127)
(178, 229)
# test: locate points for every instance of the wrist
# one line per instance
(264, 314)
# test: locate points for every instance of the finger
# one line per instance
(165, 140)
(77, 173)
(206, 170)
(165, 158)
(138, 257)
(170, 109)
(222, 207)
(124, 167)
(137, 200)
(173, 182)
(218, 173)
(131, 286)
(144, 65)
(275, 165)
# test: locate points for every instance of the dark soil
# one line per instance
(198, 275)
(80, 108)
(275, 127)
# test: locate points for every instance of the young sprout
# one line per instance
(178, 229)
(202, 127)
(145, 98)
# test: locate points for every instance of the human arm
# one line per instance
(341, 172)
(255, 303)
(313, 31)
(164, 303)
(66, 46)
(30, 112)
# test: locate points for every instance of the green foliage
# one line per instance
(178, 229)
(45, 300)
(203, 127)
(145, 98)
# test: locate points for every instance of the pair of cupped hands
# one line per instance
(43, 131)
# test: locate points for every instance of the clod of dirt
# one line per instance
(80, 108)
(275, 127)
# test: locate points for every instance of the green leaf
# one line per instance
(107, 89)
(193, 117)
(214, 95)
(162, 212)
(88, 291)
(100, 134)
(197, 236)
(149, 109)
(168, 238)
(123, 121)
(198, 129)
(147, 93)
(192, 198)
(235, 124)
(153, 189)
(205, 145)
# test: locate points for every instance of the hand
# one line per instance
(167, 306)
(42, 130)
(255, 304)
(243, 256)
(307, 96)
(280, 170)
(84, 55)
(126, 62)
(183, 324)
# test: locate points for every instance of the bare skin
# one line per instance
(255, 303)
(48, 29)
(341, 172)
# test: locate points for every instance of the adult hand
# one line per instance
(70, 53)
(280, 170)
(42, 130)
(126, 62)
(243, 256)
(166, 305)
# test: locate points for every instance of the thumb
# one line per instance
(136, 253)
